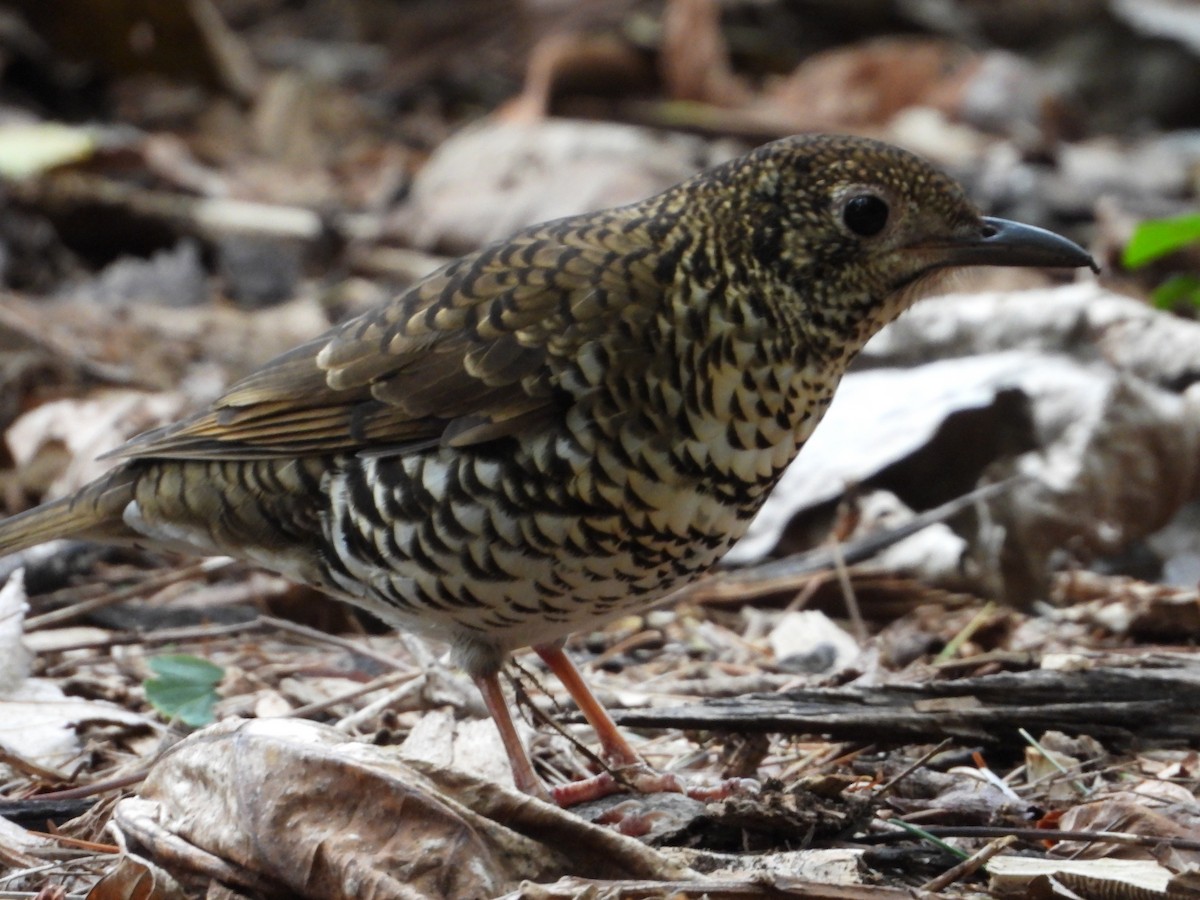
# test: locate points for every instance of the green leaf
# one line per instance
(1177, 291)
(185, 688)
(1155, 238)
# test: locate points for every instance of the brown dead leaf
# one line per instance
(1128, 811)
(135, 879)
(694, 59)
(865, 85)
(582, 63)
(84, 429)
(296, 806)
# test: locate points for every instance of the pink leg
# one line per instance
(612, 743)
(634, 773)
(614, 747)
(524, 777)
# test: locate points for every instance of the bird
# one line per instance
(565, 426)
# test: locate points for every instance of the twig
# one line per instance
(908, 770)
(98, 787)
(182, 635)
(322, 637)
(969, 865)
(1037, 835)
(155, 582)
(848, 595)
(377, 684)
(765, 578)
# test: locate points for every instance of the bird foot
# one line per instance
(723, 790)
(630, 818)
(642, 779)
(639, 778)
(585, 791)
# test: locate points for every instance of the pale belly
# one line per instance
(491, 548)
(479, 550)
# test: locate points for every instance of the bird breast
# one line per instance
(635, 490)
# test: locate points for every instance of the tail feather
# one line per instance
(95, 513)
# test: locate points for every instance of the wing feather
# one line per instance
(472, 353)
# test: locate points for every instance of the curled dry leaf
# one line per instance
(1022, 876)
(135, 879)
(86, 429)
(866, 84)
(1079, 320)
(301, 808)
(40, 723)
(1128, 812)
(1108, 452)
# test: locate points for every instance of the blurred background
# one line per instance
(1078, 114)
(189, 188)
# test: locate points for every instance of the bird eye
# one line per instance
(865, 214)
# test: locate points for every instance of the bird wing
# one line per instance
(472, 353)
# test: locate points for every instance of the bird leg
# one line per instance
(525, 779)
(613, 746)
(632, 770)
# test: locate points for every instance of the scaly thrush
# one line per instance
(566, 425)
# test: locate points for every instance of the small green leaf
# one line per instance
(1177, 291)
(1155, 238)
(184, 688)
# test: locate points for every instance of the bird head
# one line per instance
(857, 230)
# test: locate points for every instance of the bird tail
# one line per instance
(94, 513)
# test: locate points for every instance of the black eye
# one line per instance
(865, 214)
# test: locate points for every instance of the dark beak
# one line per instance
(1005, 243)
